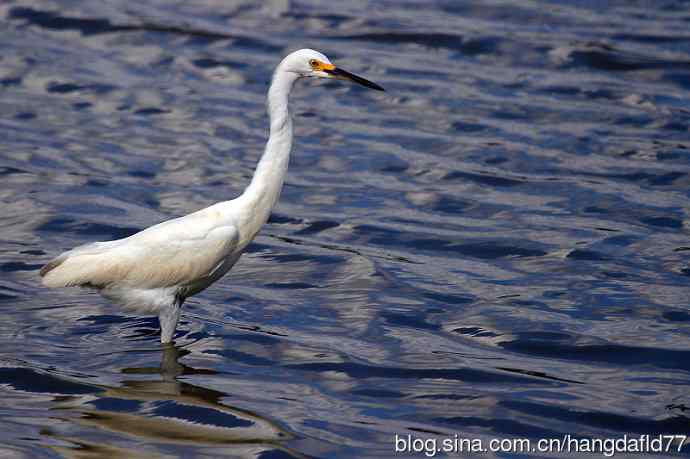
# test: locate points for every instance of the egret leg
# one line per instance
(168, 318)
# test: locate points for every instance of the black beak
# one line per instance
(345, 75)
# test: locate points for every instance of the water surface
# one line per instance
(496, 247)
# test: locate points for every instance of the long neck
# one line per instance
(264, 189)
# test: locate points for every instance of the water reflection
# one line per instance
(165, 410)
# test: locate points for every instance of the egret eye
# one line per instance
(314, 63)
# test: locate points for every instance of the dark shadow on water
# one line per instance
(95, 26)
(13, 266)
(483, 249)
(465, 45)
(40, 382)
(467, 375)
(560, 346)
(68, 225)
(603, 56)
(158, 408)
(670, 425)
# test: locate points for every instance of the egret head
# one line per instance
(310, 63)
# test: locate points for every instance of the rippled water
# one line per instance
(495, 247)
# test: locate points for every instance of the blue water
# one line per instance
(496, 247)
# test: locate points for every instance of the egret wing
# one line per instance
(173, 253)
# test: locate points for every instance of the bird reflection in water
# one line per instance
(167, 411)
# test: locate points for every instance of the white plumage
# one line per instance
(155, 270)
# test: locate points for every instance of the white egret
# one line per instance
(155, 270)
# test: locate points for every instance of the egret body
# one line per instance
(155, 270)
